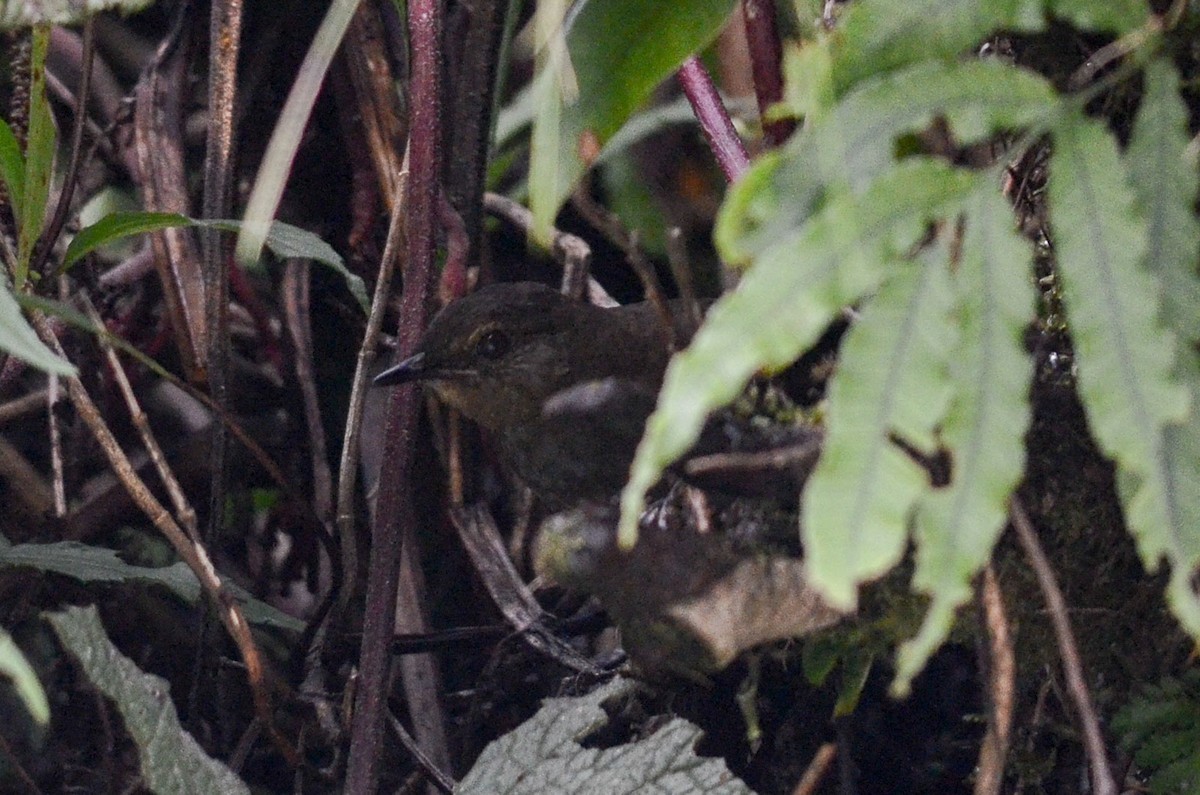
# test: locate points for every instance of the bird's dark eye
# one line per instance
(493, 344)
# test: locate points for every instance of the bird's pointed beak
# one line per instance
(411, 369)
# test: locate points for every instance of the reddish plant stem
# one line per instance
(394, 515)
(714, 120)
(766, 58)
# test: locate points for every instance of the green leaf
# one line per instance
(40, 142)
(284, 241)
(855, 142)
(18, 337)
(91, 564)
(1164, 184)
(892, 381)
(617, 52)
(116, 226)
(1112, 16)
(984, 430)
(60, 12)
(1161, 726)
(545, 754)
(880, 35)
(12, 169)
(783, 304)
(17, 669)
(1136, 408)
(171, 759)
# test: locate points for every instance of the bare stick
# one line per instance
(26, 404)
(436, 775)
(1093, 741)
(193, 554)
(1001, 675)
(815, 772)
(183, 507)
(572, 251)
(714, 119)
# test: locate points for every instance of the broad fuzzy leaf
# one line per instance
(878, 35)
(784, 303)
(171, 759)
(23, 13)
(1125, 357)
(618, 51)
(984, 431)
(545, 754)
(892, 381)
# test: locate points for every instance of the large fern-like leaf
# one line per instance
(984, 431)
(892, 381)
(1125, 356)
(882, 34)
(785, 302)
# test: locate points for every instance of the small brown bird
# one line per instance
(567, 388)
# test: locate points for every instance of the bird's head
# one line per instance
(498, 354)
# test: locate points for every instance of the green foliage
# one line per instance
(90, 564)
(1160, 726)
(936, 365)
(18, 337)
(283, 240)
(616, 54)
(41, 140)
(171, 759)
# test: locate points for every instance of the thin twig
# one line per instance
(194, 555)
(57, 467)
(726, 145)
(438, 777)
(682, 272)
(609, 225)
(1001, 676)
(815, 772)
(348, 465)
(394, 521)
(766, 56)
(572, 251)
(26, 404)
(183, 507)
(1093, 740)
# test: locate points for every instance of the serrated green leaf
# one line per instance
(976, 98)
(18, 337)
(617, 53)
(60, 12)
(1164, 182)
(984, 430)
(1111, 16)
(16, 668)
(855, 142)
(783, 304)
(99, 565)
(892, 381)
(12, 169)
(171, 759)
(41, 140)
(1161, 726)
(544, 755)
(1136, 408)
(879, 35)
